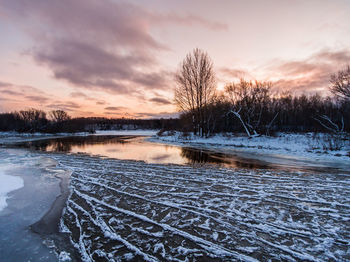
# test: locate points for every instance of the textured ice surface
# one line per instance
(8, 183)
(128, 210)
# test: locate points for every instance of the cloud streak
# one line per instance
(66, 106)
(188, 20)
(37, 98)
(160, 101)
(115, 108)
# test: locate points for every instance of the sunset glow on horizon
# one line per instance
(118, 58)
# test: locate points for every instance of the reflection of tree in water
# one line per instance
(201, 157)
(65, 144)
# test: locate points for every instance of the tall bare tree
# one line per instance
(340, 84)
(196, 88)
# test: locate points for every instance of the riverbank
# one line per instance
(292, 146)
(299, 147)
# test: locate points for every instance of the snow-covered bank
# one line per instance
(285, 145)
(8, 184)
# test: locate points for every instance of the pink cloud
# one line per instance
(299, 76)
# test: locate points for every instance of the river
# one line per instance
(132, 199)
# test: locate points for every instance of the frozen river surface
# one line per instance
(26, 204)
(120, 210)
(132, 210)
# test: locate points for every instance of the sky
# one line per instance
(110, 58)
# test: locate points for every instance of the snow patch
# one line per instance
(64, 257)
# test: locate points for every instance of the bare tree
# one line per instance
(340, 87)
(248, 101)
(330, 125)
(34, 119)
(59, 116)
(340, 84)
(196, 88)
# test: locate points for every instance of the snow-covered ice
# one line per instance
(8, 183)
(133, 210)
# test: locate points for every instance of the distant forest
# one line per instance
(261, 114)
(58, 121)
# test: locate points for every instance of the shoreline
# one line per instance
(286, 149)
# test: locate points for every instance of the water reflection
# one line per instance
(195, 156)
(66, 144)
(136, 148)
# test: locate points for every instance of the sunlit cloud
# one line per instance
(187, 20)
(115, 108)
(67, 106)
(36, 98)
(160, 100)
(309, 75)
(79, 95)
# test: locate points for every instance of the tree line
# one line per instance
(252, 107)
(59, 121)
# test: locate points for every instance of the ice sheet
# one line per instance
(8, 183)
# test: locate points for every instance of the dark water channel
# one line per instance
(137, 148)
